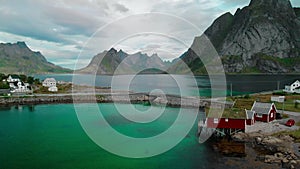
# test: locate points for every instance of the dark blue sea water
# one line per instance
(187, 85)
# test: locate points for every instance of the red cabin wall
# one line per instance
(231, 124)
(264, 118)
(273, 111)
(250, 122)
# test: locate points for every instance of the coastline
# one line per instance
(280, 149)
(118, 97)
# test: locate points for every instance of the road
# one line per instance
(296, 114)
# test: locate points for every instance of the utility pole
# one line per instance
(231, 89)
(283, 107)
(278, 85)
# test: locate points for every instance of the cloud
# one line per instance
(61, 28)
(121, 8)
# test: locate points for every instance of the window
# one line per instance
(226, 120)
(216, 120)
(259, 115)
(271, 115)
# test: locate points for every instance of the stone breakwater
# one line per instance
(168, 100)
(35, 100)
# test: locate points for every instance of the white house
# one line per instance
(293, 88)
(13, 78)
(49, 82)
(52, 89)
(19, 87)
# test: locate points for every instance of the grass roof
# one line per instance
(233, 113)
(244, 104)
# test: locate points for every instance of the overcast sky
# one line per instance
(61, 29)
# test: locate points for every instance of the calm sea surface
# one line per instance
(186, 85)
(50, 136)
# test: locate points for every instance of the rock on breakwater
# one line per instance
(275, 149)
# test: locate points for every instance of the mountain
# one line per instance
(263, 37)
(18, 58)
(119, 62)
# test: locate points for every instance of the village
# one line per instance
(21, 85)
(249, 111)
(268, 121)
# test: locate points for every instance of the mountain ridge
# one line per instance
(263, 37)
(19, 58)
(120, 62)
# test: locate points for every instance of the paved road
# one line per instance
(296, 114)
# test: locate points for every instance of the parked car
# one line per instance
(290, 122)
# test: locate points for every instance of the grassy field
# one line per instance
(246, 102)
(289, 104)
(62, 88)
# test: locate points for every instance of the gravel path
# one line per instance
(273, 127)
(296, 114)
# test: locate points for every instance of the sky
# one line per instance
(71, 32)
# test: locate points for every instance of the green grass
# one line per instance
(295, 134)
(234, 113)
(288, 62)
(285, 116)
(64, 88)
(246, 102)
(289, 105)
(251, 70)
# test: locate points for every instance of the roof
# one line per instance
(297, 81)
(262, 108)
(249, 114)
(50, 79)
(243, 103)
(233, 113)
(14, 76)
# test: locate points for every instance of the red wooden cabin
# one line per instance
(265, 112)
(226, 123)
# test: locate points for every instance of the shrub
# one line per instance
(285, 116)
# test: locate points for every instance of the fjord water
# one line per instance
(241, 84)
(50, 136)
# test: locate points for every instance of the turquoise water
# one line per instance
(50, 136)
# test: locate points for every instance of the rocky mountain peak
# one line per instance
(108, 62)
(278, 7)
(261, 37)
(155, 55)
(112, 50)
(22, 44)
(271, 3)
(19, 58)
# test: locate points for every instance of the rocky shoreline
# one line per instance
(60, 99)
(280, 150)
(124, 97)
